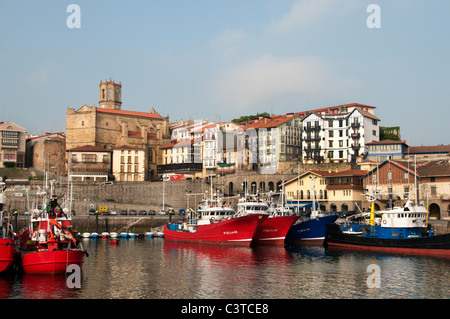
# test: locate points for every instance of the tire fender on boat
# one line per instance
(212, 219)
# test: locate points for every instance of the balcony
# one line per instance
(311, 128)
(355, 135)
(315, 138)
(355, 125)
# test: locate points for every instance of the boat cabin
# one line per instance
(212, 215)
(404, 217)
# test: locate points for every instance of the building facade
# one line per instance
(47, 153)
(129, 164)
(13, 144)
(89, 163)
(339, 134)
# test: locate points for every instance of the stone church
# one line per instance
(110, 127)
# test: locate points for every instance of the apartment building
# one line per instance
(13, 144)
(89, 163)
(273, 140)
(338, 134)
(129, 164)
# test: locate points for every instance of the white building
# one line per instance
(339, 134)
(129, 164)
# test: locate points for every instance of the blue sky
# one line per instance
(220, 59)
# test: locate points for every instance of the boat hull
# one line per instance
(236, 231)
(51, 262)
(7, 254)
(273, 230)
(310, 231)
(433, 245)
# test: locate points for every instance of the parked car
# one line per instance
(151, 212)
(123, 212)
(92, 212)
(142, 212)
(133, 212)
(162, 212)
(114, 212)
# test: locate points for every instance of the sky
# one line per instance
(221, 59)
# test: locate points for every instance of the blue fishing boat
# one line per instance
(311, 228)
(399, 230)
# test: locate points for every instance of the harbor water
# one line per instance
(153, 268)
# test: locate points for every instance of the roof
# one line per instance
(131, 113)
(437, 149)
(127, 147)
(88, 148)
(349, 172)
(178, 143)
(270, 122)
(383, 142)
(434, 168)
(402, 165)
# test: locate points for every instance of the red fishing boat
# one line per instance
(50, 244)
(274, 228)
(7, 243)
(214, 223)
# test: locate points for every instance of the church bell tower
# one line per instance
(110, 95)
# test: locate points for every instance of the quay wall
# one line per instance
(90, 223)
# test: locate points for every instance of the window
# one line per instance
(89, 158)
(10, 134)
(389, 175)
(10, 141)
(374, 133)
(330, 134)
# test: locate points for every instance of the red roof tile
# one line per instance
(132, 113)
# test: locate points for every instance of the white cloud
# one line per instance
(41, 74)
(265, 79)
(307, 12)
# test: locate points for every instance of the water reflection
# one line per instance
(155, 268)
